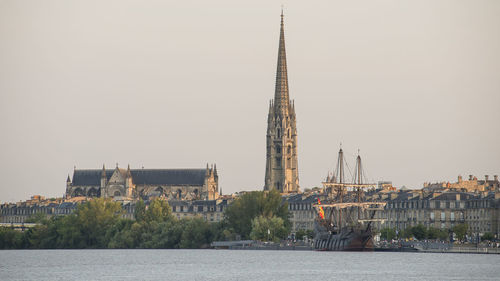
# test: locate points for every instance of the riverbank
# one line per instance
(407, 247)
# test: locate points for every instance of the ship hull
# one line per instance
(346, 240)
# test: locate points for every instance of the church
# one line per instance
(133, 184)
(281, 139)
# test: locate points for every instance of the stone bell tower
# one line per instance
(281, 157)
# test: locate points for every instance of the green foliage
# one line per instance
(387, 233)
(98, 224)
(269, 229)
(11, 239)
(419, 232)
(460, 230)
(94, 218)
(436, 233)
(488, 236)
(240, 214)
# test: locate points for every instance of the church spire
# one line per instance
(281, 98)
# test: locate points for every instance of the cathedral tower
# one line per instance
(281, 158)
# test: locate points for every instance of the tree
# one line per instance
(264, 228)
(460, 230)
(239, 215)
(140, 210)
(158, 210)
(419, 232)
(488, 236)
(387, 233)
(436, 233)
(94, 217)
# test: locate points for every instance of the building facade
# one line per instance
(281, 139)
(132, 184)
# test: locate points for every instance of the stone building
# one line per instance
(131, 184)
(209, 210)
(302, 212)
(281, 139)
(444, 210)
(470, 185)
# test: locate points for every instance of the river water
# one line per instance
(242, 265)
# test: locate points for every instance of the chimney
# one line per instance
(495, 177)
(470, 177)
(486, 178)
(459, 179)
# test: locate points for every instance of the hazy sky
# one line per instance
(176, 84)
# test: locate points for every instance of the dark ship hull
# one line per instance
(346, 240)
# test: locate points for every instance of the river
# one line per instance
(242, 265)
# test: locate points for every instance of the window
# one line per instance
(443, 216)
(278, 161)
(452, 216)
(432, 216)
(278, 149)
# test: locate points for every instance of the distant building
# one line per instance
(302, 212)
(209, 210)
(471, 185)
(132, 184)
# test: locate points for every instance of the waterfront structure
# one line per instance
(281, 138)
(443, 209)
(132, 184)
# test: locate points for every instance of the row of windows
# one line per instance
(197, 208)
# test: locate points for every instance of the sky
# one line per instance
(414, 85)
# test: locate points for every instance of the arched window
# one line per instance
(278, 134)
(278, 149)
(92, 192)
(117, 193)
(289, 149)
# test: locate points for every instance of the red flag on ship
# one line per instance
(321, 211)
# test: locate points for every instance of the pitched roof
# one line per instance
(144, 176)
(89, 177)
(169, 176)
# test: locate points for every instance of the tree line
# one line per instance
(421, 232)
(98, 223)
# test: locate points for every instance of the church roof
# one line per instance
(144, 176)
(89, 177)
(169, 176)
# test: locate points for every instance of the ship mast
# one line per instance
(340, 187)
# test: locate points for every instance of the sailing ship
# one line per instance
(344, 221)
